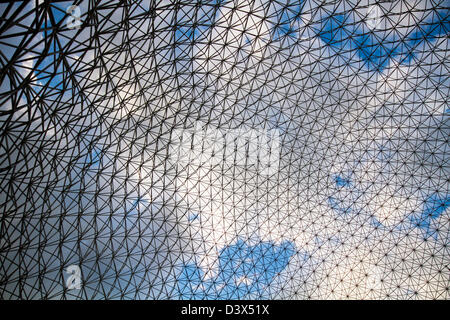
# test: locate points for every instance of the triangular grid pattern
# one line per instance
(109, 111)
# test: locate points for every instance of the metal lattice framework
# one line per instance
(221, 149)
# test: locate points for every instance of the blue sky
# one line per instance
(244, 270)
(376, 48)
(434, 206)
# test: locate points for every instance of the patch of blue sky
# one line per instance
(375, 222)
(342, 181)
(287, 16)
(243, 270)
(93, 158)
(341, 34)
(185, 35)
(434, 206)
(333, 30)
(59, 11)
(190, 283)
(430, 30)
(192, 216)
(207, 14)
(48, 70)
(374, 53)
(376, 49)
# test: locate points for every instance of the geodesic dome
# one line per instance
(219, 149)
